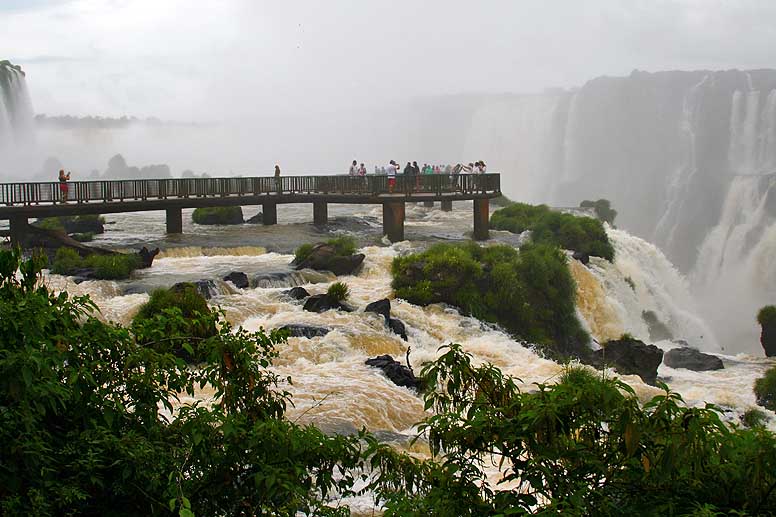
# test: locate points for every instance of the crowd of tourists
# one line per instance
(412, 168)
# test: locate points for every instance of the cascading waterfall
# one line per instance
(16, 115)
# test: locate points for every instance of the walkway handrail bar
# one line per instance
(26, 194)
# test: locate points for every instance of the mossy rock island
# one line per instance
(581, 234)
(337, 255)
(218, 215)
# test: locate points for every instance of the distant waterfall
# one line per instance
(16, 115)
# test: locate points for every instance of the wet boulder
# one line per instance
(397, 327)
(382, 307)
(324, 257)
(147, 257)
(323, 303)
(256, 219)
(658, 331)
(297, 293)
(84, 224)
(307, 331)
(629, 356)
(395, 371)
(239, 279)
(691, 359)
(207, 288)
(581, 256)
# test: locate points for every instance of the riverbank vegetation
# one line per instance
(92, 424)
(582, 234)
(602, 208)
(218, 215)
(116, 266)
(529, 292)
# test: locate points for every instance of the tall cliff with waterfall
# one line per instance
(16, 115)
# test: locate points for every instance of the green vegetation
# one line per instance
(530, 293)
(338, 292)
(344, 245)
(767, 315)
(754, 417)
(105, 267)
(218, 215)
(603, 209)
(765, 389)
(84, 237)
(570, 232)
(182, 312)
(90, 223)
(83, 434)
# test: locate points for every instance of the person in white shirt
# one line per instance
(390, 170)
(353, 169)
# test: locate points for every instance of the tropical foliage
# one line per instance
(106, 267)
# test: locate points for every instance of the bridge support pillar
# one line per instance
(393, 220)
(174, 220)
(428, 204)
(481, 216)
(320, 213)
(447, 206)
(269, 214)
(18, 228)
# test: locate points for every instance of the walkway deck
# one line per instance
(20, 202)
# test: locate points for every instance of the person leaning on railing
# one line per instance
(63, 186)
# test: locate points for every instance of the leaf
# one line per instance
(632, 435)
(185, 512)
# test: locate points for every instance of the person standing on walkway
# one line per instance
(353, 171)
(63, 186)
(391, 172)
(277, 178)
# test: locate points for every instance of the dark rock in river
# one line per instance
(630, 356)
(307, 331)
(323, 303)
(207, 288)
(324, 257)
(581, 256)
(85, 224)
(147, 257)
(382, 307)
(658, 331)
(691, 359)
(238, 278)
(398, 328)
(51, 240)
(297, 293)
(395, 371)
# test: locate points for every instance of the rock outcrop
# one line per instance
(581, 256)
(323, 303)
(629, 356)
(307, 331)
(383, 308)
(239, 279)
(395, 371)
(207, 288)
(691, 359)
(297, 293)
(658, 331)
(323, 257)
(147, 257)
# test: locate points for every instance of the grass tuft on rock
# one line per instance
(67, 261)
(338, 292)
(765, 389)
(218, 215)
(547, 226)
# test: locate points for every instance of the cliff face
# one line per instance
(664, 147)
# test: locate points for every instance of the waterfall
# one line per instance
(16, 114)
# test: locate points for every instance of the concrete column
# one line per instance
(320, 213)
(393, 220)
(428, 204)
(481, 216)
(18, 229)
(174, 220)
(269, 214)
(447, 206)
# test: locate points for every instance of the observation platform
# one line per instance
(20, 202)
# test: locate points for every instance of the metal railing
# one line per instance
(25, 194)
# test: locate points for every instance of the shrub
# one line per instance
(530, 293)
(603, 209)
(105, 267)
(51, 224)
(302, 252)
(582, 234)
(754, 417)
(767, 315)
(338, 292)
(765, 389)
(218, 215)
(89, 223)
(344, 245)
(501, 200)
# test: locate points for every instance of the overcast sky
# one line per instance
(231, 59)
